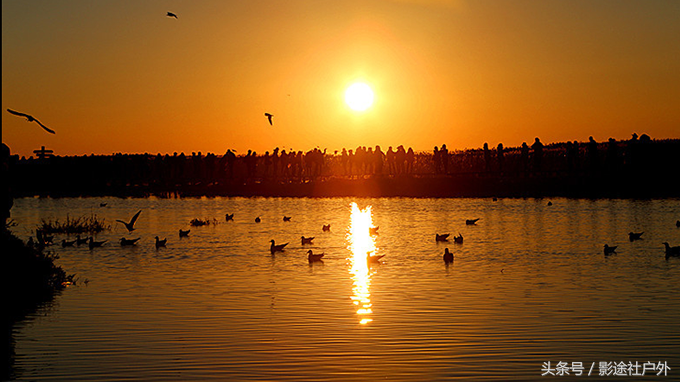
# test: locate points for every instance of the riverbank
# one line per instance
(459, 185)
(30, 279)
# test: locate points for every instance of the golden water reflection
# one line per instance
(360, 243)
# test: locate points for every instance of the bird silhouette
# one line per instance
(448, 256)
(311, 257)
(458, 239)
(184, 233)
(671, 251)
(131, 225)
(286, 218)
(326, 228)
(124, 242)
(161, 243)
(306, 240)
(80, 241)
(257, 219)
(442, 237)
(93, 243)
(471, 221)
(30, 118)
(170, 14)
(269, 117)
(609, 250)
(374, 259)
(276, 248)
(373, 230)
(229, 217)
(632, 236)
(65, 243)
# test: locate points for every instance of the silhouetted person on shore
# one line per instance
(591, 152)
(524, 158)
(436, 158)
(487, 158)
(501, 157)
(538, 154)
(410, 159)
(444, 153)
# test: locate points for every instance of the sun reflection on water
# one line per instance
(360, 243)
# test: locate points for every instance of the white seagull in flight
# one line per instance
(31, 119)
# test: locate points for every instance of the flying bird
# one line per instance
(131, 225)
(170, 14)
(269, 117)
(30, 118)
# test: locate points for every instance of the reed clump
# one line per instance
(83, 224)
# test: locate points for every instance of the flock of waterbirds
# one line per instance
(312, 257)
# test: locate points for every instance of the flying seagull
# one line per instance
(31, 119)
(131, 225)
(170, 14)
(269, 116)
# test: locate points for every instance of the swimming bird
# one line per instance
(80, 241)
(257, 219)
(326, 228)
(286, 218)
(609, 250)
(276, 248)
(269, 117)
(458, 239)
(170, 14)
(448, 256)
(632, 236)
(124, 242)
(443, 237)
(184, 233)
(91, 243)
(161, 243)
(306, 240)
(549, 203)
(373, 259)
(373, 230)
(30, 118)
(131, 225)
(311, 257)
(65, 243)
(471, 221)
(229, 217)
(677, 223)
(102, 204)
(671, 251)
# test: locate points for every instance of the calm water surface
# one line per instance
(530, 284)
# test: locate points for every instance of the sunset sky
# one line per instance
(119, 76)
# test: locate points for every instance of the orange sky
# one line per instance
(119, 76)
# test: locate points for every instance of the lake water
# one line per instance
(529, 285)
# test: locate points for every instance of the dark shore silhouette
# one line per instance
(631, 168)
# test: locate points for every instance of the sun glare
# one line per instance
(361, 243)
(359, 96)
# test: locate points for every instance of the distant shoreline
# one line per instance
(445, 186)
(637, 168)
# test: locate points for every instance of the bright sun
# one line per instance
(359, 96)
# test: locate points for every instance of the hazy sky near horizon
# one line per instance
(119, 76)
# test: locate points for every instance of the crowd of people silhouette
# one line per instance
(166, 172)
